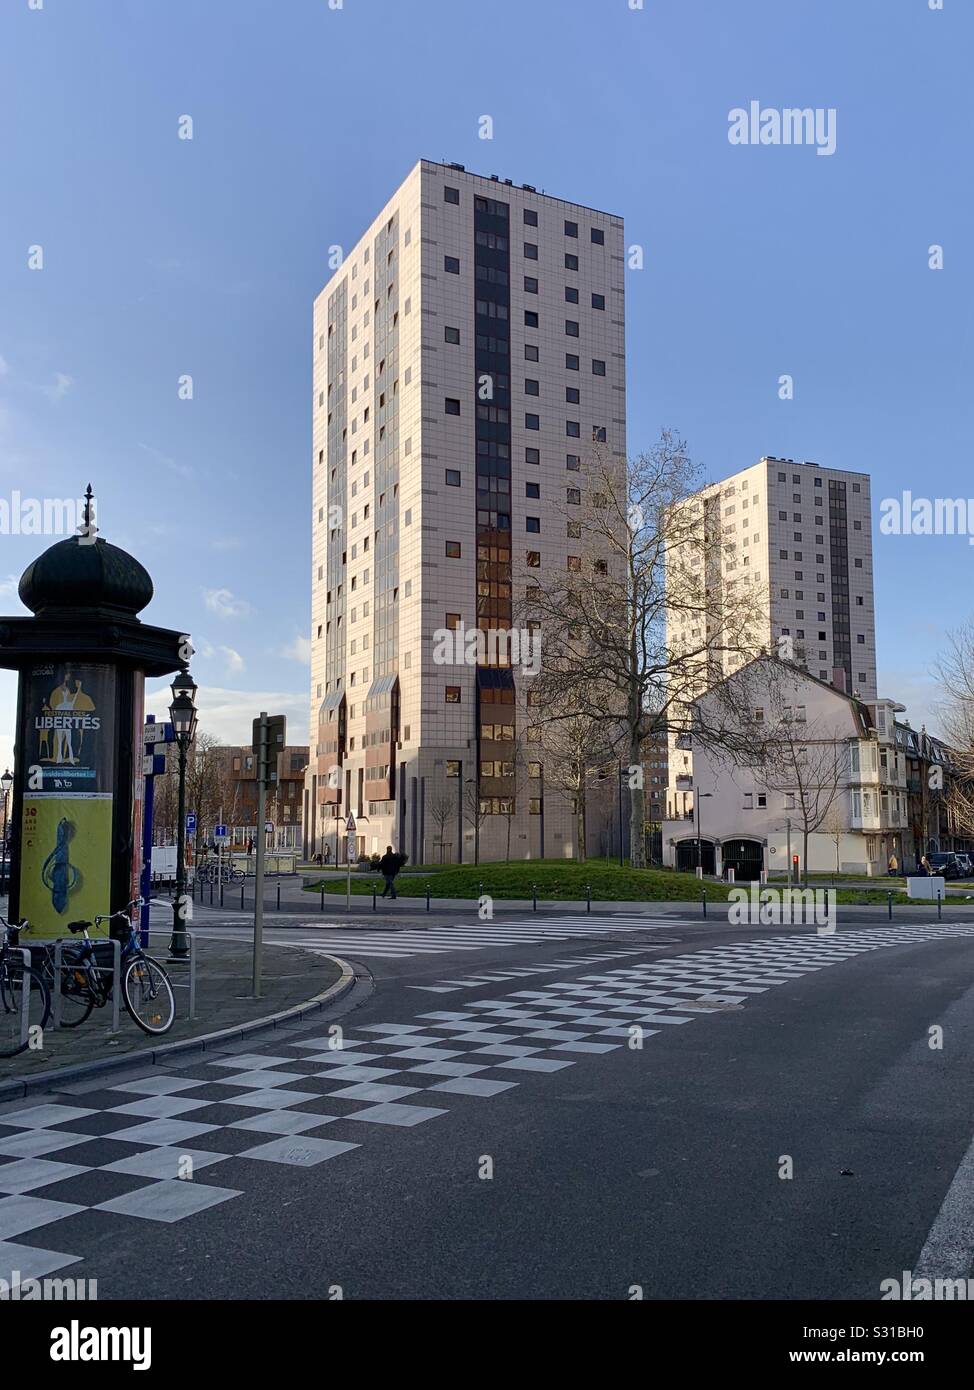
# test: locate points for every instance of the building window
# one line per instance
(451, 195)
(571, 362)
(530, 285)
(571, 262)
(530, 352)
(573, 429)
(571, 229)
(571, 328)
(598, 236)
(453, 477)
(532, 387)
(532, 456)
(530, 251)
(530, 318)
(451, 405)
(573, 462)
(598, 367)
(452, 695)
(573, 496)
(572, 395)
(530, 218)
(451, 335)
(452, 621)
(453, 550)
(571, 295)
(532, 422)
(451, 265)
(532, 523)
(534, 559)
(598, 301)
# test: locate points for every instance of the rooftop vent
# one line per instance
(461, 167)
(530, 187)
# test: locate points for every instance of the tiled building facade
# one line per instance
(468, 352)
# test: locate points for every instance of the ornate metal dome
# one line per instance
(82, 573)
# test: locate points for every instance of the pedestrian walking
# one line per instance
(389, 866)
(924, 870)
(892, 867)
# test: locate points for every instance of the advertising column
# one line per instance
(68, 749)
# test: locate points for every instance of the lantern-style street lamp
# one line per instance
(182, 712)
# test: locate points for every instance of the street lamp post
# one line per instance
(182, 712)
(697, 798)
(6, 783)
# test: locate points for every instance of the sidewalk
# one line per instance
(291, 977)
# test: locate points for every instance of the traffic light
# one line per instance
(269, 738)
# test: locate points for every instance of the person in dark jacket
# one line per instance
(389, 866)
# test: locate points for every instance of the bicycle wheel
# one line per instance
(77, 1000)
(147, 994)
(13, 977)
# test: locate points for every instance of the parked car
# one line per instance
(946, 865)
(966, 864)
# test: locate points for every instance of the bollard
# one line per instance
(703, 899)
(321, 905)
(534, 896)
(588, 897)
(889, 905)
(373, 894)
(278, 897)
(241, 897)
(427, 897)
(938, 905)
(481, 887)
(211, 892)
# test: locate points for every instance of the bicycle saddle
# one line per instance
(79, 926)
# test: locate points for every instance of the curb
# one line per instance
(49, 1080)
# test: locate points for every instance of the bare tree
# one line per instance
(651, 610)
(810, 763)
(475, 812)
(442, 809)
(571, 745)
(834, 824)
(956, 710)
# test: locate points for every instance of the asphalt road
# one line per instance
(550, 1158)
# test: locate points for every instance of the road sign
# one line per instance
(350, 824)
(220, 834)
(153, 764)
(269, 737)
(269, 827)
(159, 733)
(190, 822)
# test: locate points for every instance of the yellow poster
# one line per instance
(66, 861)
(66, 839)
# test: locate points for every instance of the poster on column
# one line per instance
(68, 743)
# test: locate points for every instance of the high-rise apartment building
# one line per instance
(467, 354)
(802, 533)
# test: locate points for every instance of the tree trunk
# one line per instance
(637, 797)
(580, 823)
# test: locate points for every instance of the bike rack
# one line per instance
(116, 977)
(24, 954)
(167, 932)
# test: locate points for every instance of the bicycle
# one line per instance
(147, 991)
(12, 972)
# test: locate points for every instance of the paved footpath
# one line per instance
(224, 973)
(615, 1114)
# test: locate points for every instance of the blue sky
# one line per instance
(165, 256)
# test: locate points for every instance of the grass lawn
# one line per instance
(561, 880)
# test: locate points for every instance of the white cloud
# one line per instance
(229, 714)
(298, 650)
(62, 385)
(234, 661)
(224, 605)
(183, 470)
